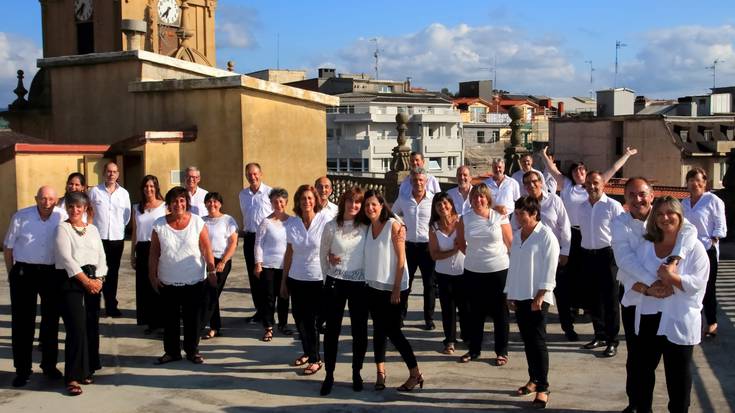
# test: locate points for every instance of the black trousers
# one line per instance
(677, 366)
(210, 309)
(147, 301)
(387, 324)
(51, 292)
(181, 303)
(574, 274)
(452, 300)
(273, 303)
(113, 255)
(337, 293)
(563, 294)
(601, 270)
(710, 294)
(81, 313)
(256, 291)
(532, 326)
(632, 362)
(307, 301)
(418, 257)
(484, 292)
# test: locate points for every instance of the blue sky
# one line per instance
(540, 47)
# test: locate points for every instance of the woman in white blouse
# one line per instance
(534, 256)
(76, 182)
(448, 267)
(707, 212)
(676, 329)
(270, 247)
(484, 236)
(180, 262)
(386, 274)
(303, 272)
(79, 252)
(222, 231)
(150, 208)
(342, 258)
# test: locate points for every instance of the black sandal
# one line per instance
(465, 358)
(195, 358)
(538, 403)
(268, 335)
(167, 358)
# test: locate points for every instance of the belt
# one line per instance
(35, 266)
(599, 251)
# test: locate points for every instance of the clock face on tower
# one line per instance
(168, 12)
(83, 10)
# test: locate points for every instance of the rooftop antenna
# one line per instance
(377, 57)
(618, 45)
(494, 69)
(713, 68)
(592, 69)
(278, 51)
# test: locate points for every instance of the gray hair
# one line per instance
(498, 161)
(278, 193)
(418, 171)
(76, 198)
(193, 169)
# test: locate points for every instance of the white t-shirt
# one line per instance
(197, 202)
(220, 230)
(270, 243)
(144, 222)
(181, 261)
(486, 252)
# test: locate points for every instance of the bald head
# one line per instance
(46, 200)
(324, 188)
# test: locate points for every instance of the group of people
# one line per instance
(509, 243)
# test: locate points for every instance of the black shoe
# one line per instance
(254, 319)
(285, 330)
(53, 373)
(629, 409)
(327, 385)
(113, 312)
(21, 380)
(594, 344)
(611, 350)
(356, 381)
(430, 326)
(571, 335)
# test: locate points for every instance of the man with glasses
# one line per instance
(196, 193)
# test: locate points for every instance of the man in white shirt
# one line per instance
(29, 261)
(461, 193)
(526, 164)
(432, 184)
(255, 206)
(111, 203)
(415, 209)
(324, 188)
(196, 193)
(505, 190)
(595, 224)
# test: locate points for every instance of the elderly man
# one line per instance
(461, 193)
(505, 190)
(196, 193)
(255, 206)
(432, 184)
(324, 188)
(526, 164)
(29, 261)
(111, 203)
(415, 209)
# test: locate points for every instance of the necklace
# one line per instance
(79, 230)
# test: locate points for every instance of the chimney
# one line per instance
(561, 109)
(326, 73)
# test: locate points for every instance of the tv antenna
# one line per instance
(376, 55)
(618, 45)
(592, 70)
(713, 68)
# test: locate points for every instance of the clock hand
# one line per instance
(80, 10)
(164, 15)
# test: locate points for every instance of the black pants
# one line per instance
(147, 301)
(307, 300)
(677, 366)
(451, 298)
(387, 324)
(256, 291)
(532, 326)
(113, 255)
(181, 303)
(417, 256)
(563, 294)
(484, 292)
(632, 362)
(710, 294)
(81, 313)
(51, 292)
(273, 303)
(575, 275)
(25, 280)
(337, 293)
(210, 309)
(601, 270)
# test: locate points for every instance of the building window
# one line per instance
(332, 109)
(330, 133)
(332, 164)
(385, 164)
(435, 164)
(495, 136)
(356, 165)
(341, 164)
(338, 132)
(707, 134)
(480, 136)
(478, 114)
(385, 89)
(452, 160)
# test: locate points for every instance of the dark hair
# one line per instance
(633, 179)
(145, 180)
(278, 193)
(356, 195)
(438, 198)
(215, 195)
(175, 193)
(533, 172)
(255, 164)
(78, 175)
(414, 153)
(385, 213)
(530, 205)
(594, 172)
(76, 198)
(572, 167)
(694, 172)
(297, 198)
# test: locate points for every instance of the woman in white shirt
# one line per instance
(180, 262)
(534, 256)
(270, 247)
(342, 259)
(386, 274)
(76, 182)
(222, 231)
(707, 212)
(484, 236)
(303, 272)
(79, 252)
(676, 329)
(150, 208)
(448, 267)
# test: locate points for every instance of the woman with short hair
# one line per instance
(76, 182)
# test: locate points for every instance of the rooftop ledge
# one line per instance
(212, 77)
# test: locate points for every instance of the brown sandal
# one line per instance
(301, 360)
(268, 335)
(310, 370)
(448, 349)
(73, 389)
(501, 361)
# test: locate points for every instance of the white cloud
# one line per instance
(16, 53)
(235, 27)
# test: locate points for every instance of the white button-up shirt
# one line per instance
(506, 193)
(197, 202)
(533, 265)
(554, 216)
(461, 205)
(305, 243)
(32, 239)
(595, 222)
(331, 210)
(708, 215)
(111, 211)
(255, 207)
(432, 186)
(415, 215)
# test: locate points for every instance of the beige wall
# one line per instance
(658, 157)
(160, 159)
(593, 142)
(8, 197)
(35, 170)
